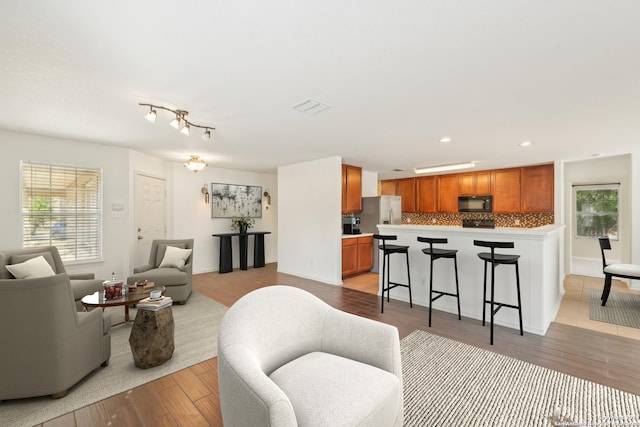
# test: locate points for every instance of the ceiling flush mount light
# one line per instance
(179, 122)
(443, 168)
(195, 163)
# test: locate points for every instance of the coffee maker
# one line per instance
(351, 225)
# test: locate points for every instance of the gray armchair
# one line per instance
(47, 346)
(81, 284)
(176, 280)
(285, 358)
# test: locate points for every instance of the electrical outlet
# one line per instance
(433, 220)
(517, 221)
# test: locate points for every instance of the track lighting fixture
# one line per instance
(180, 121)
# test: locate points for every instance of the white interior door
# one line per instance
(150, 205)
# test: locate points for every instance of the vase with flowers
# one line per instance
(242, 223)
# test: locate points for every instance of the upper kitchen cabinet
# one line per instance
(474, 183)
(447, 193)
(506, 190)
(426, 200)
(407, 190)
(537, 188)
(351, 189)
(389, 187)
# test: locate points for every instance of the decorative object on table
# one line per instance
(154, 304)
(205, 191)
(113, 289)
(242, 223)
(229, 200)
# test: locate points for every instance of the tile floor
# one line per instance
(574, 309)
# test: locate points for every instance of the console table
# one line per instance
(226, 253)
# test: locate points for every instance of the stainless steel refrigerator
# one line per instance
(379, 210)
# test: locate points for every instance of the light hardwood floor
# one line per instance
(190, 397)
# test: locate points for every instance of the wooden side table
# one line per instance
(151, 338)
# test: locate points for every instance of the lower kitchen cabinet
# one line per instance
(357, 255)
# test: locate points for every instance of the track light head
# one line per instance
(151, 115)
(206, 135)
(175, 123)
(186, 128)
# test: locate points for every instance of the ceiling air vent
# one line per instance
(310, 106)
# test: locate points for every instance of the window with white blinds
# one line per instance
(62, 207)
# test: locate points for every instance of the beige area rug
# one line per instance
(196, 340)
(448, 383)
(623, 308)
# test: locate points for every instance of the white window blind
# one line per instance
(62, 207)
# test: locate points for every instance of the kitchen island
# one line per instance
(540, 275)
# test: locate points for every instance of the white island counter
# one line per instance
(540, 281)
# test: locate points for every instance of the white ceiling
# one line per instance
(398, 75)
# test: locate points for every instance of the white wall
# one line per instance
(114, 164)
(187, 214)
(369, 184)
(193, 216)
(309, 241)
(582, 256)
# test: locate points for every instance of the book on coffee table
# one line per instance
(151, 304)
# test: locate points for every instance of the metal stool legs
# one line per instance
(387, 284)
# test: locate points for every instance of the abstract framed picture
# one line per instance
(229, 200)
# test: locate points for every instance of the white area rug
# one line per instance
(448, 383)
(196, 340)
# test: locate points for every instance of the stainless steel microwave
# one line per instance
(475, 204)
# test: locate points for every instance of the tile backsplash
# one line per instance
(528, 220)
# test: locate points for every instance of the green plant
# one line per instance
(242, 223)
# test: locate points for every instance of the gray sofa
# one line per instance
(176, 280)
(47, 345)
(81, 284)
(286, 358)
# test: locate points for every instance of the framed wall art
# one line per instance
(229, 200)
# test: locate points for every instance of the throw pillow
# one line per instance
(31, 268)
(175, 257)
(162, 247)
(17, 259)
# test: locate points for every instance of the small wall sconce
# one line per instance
(205, 191)
(268, 196)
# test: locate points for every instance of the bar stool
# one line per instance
(387, 250)
(434, 254)
(495, 260)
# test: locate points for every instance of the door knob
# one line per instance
(140, 237)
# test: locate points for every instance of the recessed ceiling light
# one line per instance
(445, 139)
(525, 144)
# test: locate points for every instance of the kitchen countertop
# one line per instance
(351, 236)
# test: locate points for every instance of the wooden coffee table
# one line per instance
(97, 299)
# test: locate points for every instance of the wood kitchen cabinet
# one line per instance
(389, 187)
(351, 189)
(537, 188)
(447, 193)
(506, 190)
(357, 255)
(407, 190)
(474, 183)
(426, 200)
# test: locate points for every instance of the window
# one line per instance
(597, 210)
(62, 207)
